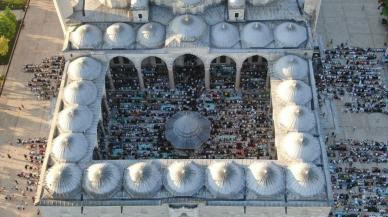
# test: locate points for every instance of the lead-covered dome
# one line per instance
(236, 3)
(224, 35)
(80, 93)
(225, 179)
(115, 3)
(142, 179)
(291, 67)
(119, 35)
(290, 34)
(63, 180)
(187, 27)
(75, 119)
(102, 180)
(305, 179)
(256, 34)
(151, 35)
(84, 68)
(69, 147)
(260, 2)
(86, 37)
(296, 118)
(139, 4)
(265, 178)
(184, 178)
(300, 146)
(294, 91)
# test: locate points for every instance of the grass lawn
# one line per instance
(5, 59)
(12, 4)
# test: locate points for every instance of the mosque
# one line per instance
(186, 108)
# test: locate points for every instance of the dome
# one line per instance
(296, 118)
(260, 2)
(187, 130)
(102, 180)
(187, 3)
(224, 35)
(75, 119)
(225, 179)
(236, 3)
(265, 178)
(300, 146)
(86, 37)
(69, 147)
(63, 180)
(184, 178)
(290, 34)
(256, 34)
(119, 35)
(151, 35)
(188, 27)
(139, 4)
(80, 93)
(294, 91)
(291, 67)
(84, 68)
(305, 179)
(115, 3)
(142, 179)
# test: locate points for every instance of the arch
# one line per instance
(189, 72)
(155, 73)
(222, 73)
(122, 75)
(254, 73)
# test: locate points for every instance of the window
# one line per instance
(236, 15)
(140, 16)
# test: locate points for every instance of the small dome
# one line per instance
(305, 179)
(142, 179)
(294, 91)
(115, 3)
(290, 34)
(236, 3)
(188, 27)
(256, 34)
(86, 37)
(75, 119)
(80, 93)
(102, 180)
(291, 67)
(63, 180)
(184, 178)
(119, 35)
(139, 4)
(224, 35)
(69, 147)
(300, 146)
(225, 179)
(265, 178)
(260, 2)
(84, 68)
(187, 130)
(151, 35)
(297, 118)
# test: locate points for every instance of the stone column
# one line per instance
(110, 80)
(238, 76)
(140, 76)
(207, 77)
(171, 76)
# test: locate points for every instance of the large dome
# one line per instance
(184, 178)
(115, 3)
(297, 118)
(256, 34)
(265, 178)
(142, 179)
(151, 35)
(224, 35)
(75, 119)
(86, 37)
(69, 147)
(80, 93)
(260, 2)
(290, 34)
(84, 68)
(187, 130)
(119, 35)
(300, 146)
(294, 91)
(305, 179)
(291, 67)
(188, 27)
(63, 180)
(225, 179)
(102, 180)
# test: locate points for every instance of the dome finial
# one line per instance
(257, 26)
(290, 27)
(223, 26)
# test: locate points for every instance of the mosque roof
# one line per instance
(139, 4)
(86, 68)
(151, 35)
(115, 3)
(264, 178)
(187, 27)
(75, 119)
(297, 118)
(69, 147)
(305, 179)
(119, 35)
(86, 36)
(63, 180)
(291, 67)
(294, 91)
(256, 34)
(300, 146)
(289, 34)
(224, 35)
(80, 92)
(143, 179)
(236, 3)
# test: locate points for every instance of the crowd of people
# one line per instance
(353, 75)
(359, 177)
(134, 121)
(46, 78)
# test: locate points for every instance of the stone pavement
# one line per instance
(41, 37)
(354, 21)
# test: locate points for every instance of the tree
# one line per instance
(8, 23)
(4, 46)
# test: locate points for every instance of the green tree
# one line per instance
(4, 46)
(8, 23)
